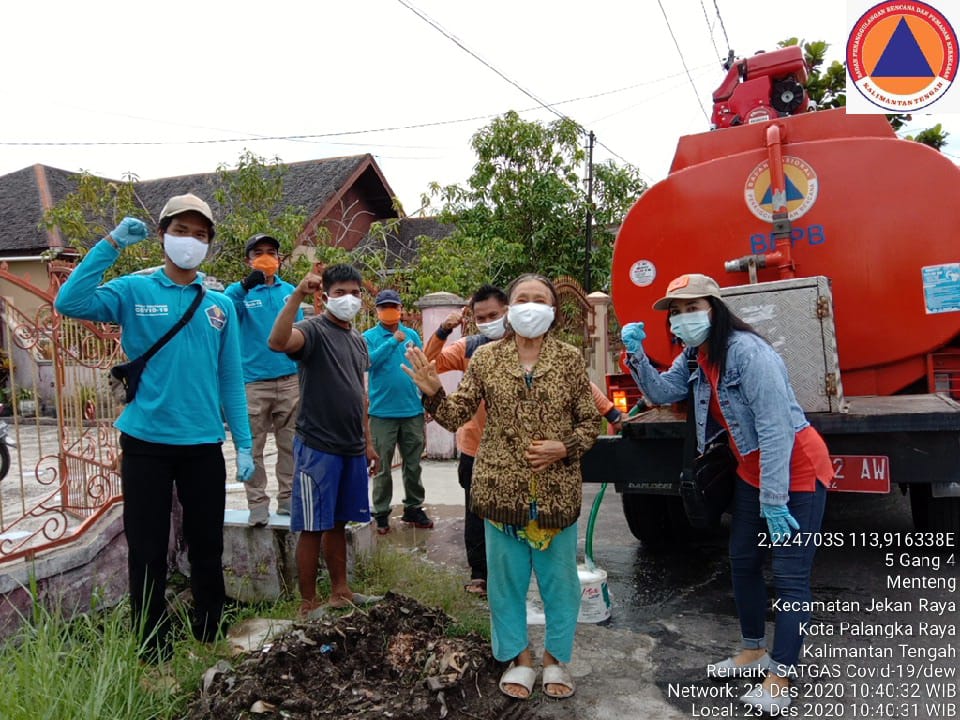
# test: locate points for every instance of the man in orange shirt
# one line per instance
(488, 305)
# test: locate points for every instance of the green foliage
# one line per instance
(935, 137)
(56, 668)
(94, 209)
(524, 207)
(250, 195)
(827, 86)
(83, 668)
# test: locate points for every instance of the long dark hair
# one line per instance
(723, 322)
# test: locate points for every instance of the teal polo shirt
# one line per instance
(392, 393)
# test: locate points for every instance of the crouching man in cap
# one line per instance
(273, 390)
(171, 431)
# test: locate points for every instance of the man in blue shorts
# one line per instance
(332, 451)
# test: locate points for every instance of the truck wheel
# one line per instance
(934, 514)
(658, 521)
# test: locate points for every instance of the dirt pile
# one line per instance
(396, 659)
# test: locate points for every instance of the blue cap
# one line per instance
(388, 297)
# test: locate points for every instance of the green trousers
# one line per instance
(389, 434)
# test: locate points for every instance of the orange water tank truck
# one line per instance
(776, 196)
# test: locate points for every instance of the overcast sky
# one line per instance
(169, 72)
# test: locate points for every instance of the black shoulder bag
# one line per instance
(707, 480)
(125, 379)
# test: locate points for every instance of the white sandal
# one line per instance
(557, 674)
(518, 675)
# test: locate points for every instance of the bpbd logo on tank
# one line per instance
(801, 192)
(901, 57)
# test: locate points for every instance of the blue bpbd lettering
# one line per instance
(763, 242)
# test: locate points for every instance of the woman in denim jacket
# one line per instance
(741, 387)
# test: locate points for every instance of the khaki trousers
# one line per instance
(272, 406)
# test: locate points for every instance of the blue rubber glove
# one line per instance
(633, 336)
(780, 522)
(244, 464)
(129, 232)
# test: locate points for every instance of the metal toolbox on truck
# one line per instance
(796, 317)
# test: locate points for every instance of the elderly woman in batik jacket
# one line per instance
(541, 418)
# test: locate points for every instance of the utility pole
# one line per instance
(589, 234)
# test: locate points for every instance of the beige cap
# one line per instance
(687, 287)
(186, 203)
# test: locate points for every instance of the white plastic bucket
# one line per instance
(594, 595)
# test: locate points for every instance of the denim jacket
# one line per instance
(754, 395)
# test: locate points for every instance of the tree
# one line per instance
(96, 207)
(827, 87)
(935, 137)
(524, 207)
(250, 196)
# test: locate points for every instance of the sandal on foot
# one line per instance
(361, 600)
(518, 675)
(477, 586)
(557, 674)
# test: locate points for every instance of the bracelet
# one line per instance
(109, 239)
(443, 333)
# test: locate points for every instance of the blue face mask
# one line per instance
(692, 328)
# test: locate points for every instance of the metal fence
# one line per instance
(63, 472)
(64, 468)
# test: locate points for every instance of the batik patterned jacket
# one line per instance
(556, 405)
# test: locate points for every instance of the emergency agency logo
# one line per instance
(216, 317)
(802, 187)
(901, 57)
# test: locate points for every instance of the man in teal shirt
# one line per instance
(396, 414)
(172, 431)
(273, 390)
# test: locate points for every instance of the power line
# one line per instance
(456, 41)
(706, 19)
(526, 92)
(254, 137)
(683, 61)
(722, 26)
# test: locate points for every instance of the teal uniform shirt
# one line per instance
(392, 392)
(257, 311)
(192, 377)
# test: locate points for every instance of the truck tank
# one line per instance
(878, 215)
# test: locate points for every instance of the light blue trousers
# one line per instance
(509, 563)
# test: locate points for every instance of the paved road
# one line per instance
(673, 612)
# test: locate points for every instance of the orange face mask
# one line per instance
(267, 264)
(389, 316)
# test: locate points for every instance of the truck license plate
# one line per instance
(861, 473)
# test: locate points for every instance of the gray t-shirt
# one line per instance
(331, 365)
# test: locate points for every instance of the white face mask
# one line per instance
(493, 330)
(185, 252)
(530, 320)
(344, 307)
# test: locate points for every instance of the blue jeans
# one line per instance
(792, 565)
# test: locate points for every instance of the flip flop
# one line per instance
(361, 600)
(477, 586)
(557, 674)
(518, 675)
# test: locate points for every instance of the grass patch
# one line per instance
(86, 667)
(403, 571)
